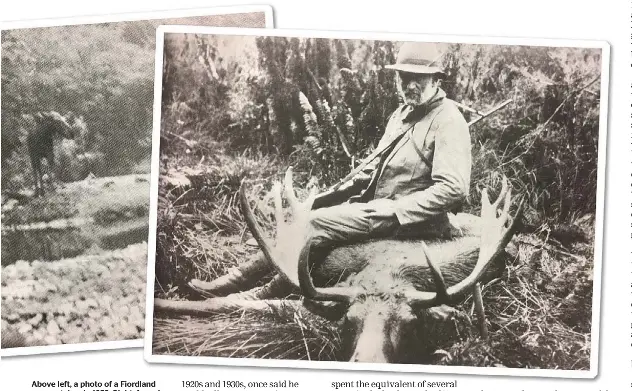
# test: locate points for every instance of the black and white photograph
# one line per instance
(77, 104)
(377, 201)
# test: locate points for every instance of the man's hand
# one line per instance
(340, 195)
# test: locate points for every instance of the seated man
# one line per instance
(423, 173)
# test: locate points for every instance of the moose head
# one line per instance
(56, 123)
(383, 293)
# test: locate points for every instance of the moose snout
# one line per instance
(369, 353)
(373, 343)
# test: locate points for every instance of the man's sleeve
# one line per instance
(451, 173)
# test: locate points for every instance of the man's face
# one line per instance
(416, 88)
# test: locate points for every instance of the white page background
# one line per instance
(604, 20)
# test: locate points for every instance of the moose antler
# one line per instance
(496, 230)
(273, 257)
(249, 272)
(283, 256)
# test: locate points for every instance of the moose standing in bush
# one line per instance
(41, 131)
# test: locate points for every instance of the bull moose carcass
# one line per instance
(384, 293)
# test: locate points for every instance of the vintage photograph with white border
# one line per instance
(377, 201)
(77, 110)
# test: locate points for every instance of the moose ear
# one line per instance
(330, 310)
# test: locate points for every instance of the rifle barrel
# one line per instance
(490, 112)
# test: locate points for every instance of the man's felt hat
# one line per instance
(419, 57)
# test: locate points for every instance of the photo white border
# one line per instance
(141, 16)
(408, 368)
(112, 18)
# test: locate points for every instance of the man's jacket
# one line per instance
(427, 172)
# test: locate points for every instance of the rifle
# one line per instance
(334, 196)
